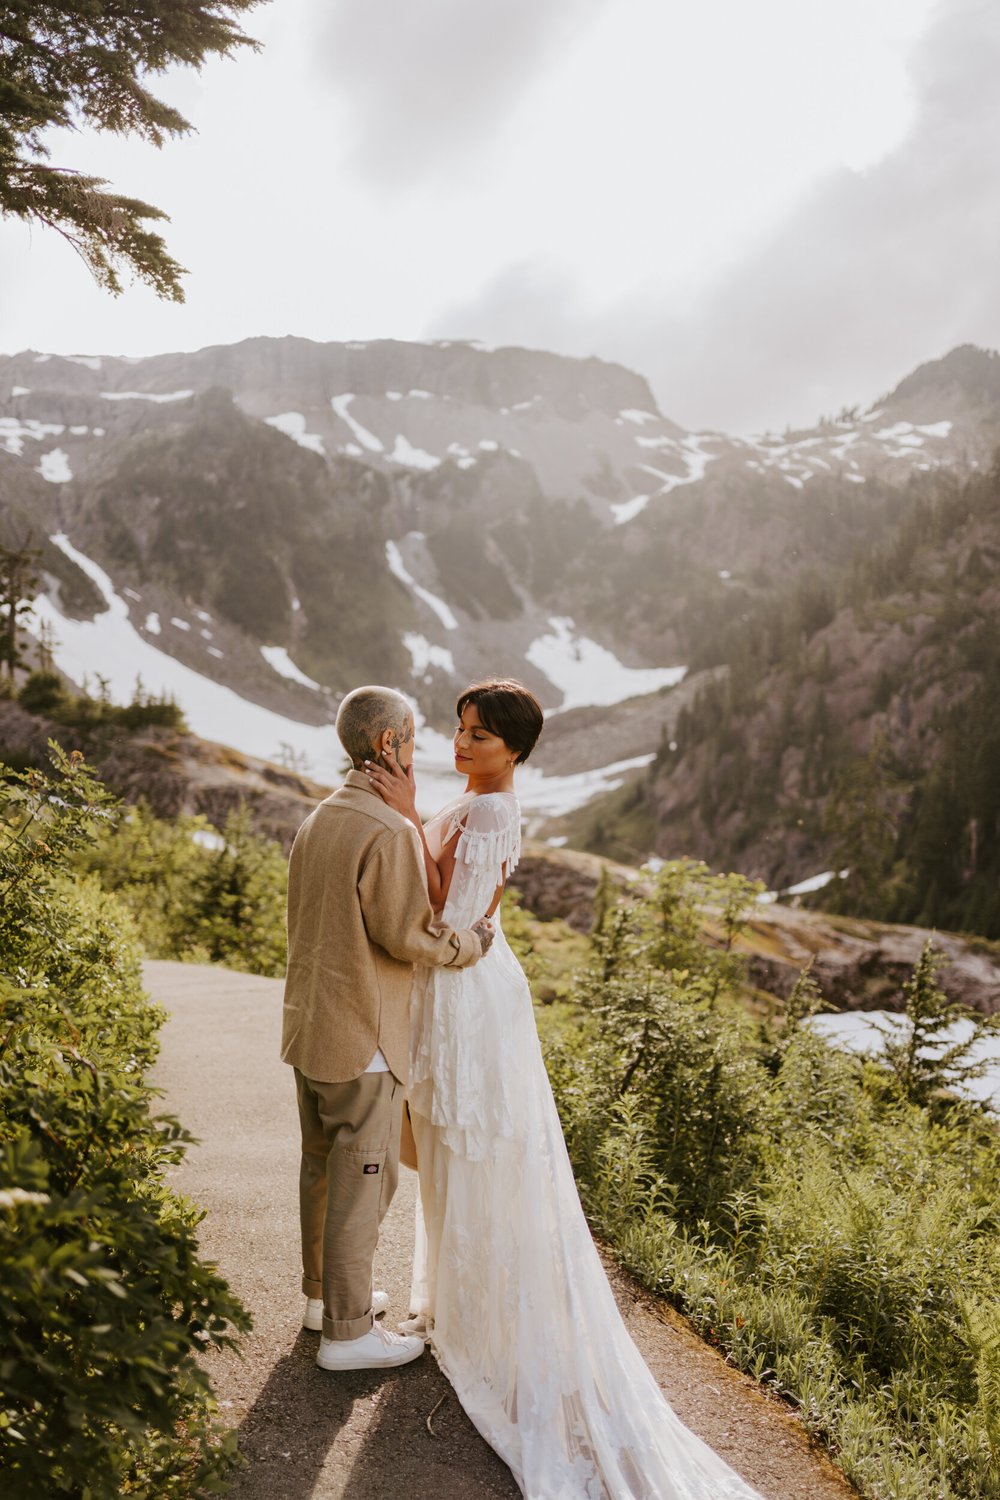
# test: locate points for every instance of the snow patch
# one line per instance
(627, 509)
(589, 674)
(13, 432)
(180, 624)
(696, 460)
(293, 425)
(207, 838)
(54, 466)
(22, 390)
(92, 361)
(424, 654)
(145, 396)
(394, 395)
(399, 570)
(813, 883)
(902, 433)
(555, 795)
(152, 624)
(488, 445)
(367, 439)
(413, 458)
(217, 713)
(633, 414)
(279, 661)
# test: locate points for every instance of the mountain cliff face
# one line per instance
(855, 730)
(258, 527)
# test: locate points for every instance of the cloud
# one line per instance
(871, 273)
(429, 83)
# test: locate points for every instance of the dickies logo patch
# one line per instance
(370, 1168)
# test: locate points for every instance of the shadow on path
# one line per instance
(400, 1457)
(302, 1414)
(289, 1431)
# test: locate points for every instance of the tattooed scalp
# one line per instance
(366, 714)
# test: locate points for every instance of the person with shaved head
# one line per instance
(359, 919)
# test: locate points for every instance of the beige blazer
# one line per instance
(359, 918)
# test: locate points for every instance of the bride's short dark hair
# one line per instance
(508, 709)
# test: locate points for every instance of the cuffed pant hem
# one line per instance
(347, 1328)
(312, 1288)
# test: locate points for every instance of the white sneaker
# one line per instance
(312, 1318)
(379, 1349)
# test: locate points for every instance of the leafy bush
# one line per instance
(197, 894)
(104, 1302)
(830, 1221)
(46, 693)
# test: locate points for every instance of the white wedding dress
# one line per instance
(521, 1317)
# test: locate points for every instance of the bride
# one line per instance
(508, 1285)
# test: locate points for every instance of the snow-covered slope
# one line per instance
(269, 522)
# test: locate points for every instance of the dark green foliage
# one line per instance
(46, 693)
(18, 581)
(104, 1301)
(832, 1223)
(195, 894)
(857, 716)
(924, 1054)
(63, 65)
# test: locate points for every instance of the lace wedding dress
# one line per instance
(521, 1317)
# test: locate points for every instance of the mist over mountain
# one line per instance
(258, 527)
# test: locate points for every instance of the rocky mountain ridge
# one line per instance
(258, 526)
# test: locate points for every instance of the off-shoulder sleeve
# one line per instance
(488, 849)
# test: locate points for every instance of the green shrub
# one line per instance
(195, 894)
(104, 1301)
(45, 692)
(831, 1222)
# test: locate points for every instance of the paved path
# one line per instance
(309, 1435)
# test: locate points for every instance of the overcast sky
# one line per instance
(771, 210)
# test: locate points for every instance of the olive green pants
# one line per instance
(350, 1167)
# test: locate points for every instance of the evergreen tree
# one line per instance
(931, 1052)
(84, 63)
(18, 581)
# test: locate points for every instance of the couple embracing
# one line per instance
(401, 984)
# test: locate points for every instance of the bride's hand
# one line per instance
(394, 785)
